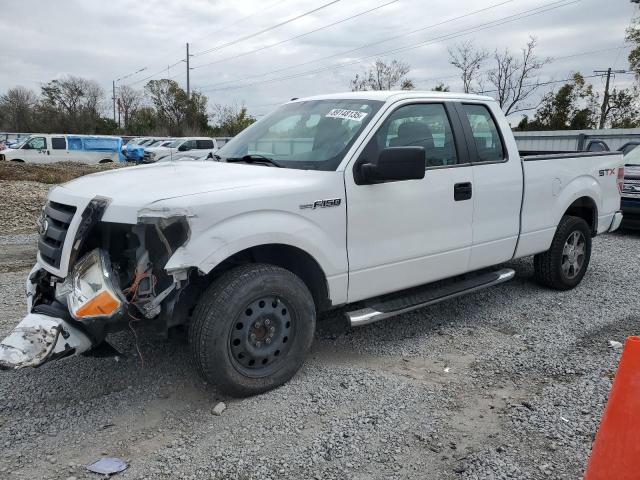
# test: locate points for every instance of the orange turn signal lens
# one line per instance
(102, 304)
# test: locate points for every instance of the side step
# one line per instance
(419, 297)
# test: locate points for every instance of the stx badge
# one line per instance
(331, 202)
(607, 171)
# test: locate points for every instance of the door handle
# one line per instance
(462, 191)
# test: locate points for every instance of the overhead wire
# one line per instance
(324, 27)
(385, 40)
(264, 30)
(508, 19)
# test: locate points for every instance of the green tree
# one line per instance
(441, 87)
(231, 119)
(71, 105)
(573, 106)
(176, 113)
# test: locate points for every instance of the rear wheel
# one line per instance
(252, 329)
(564, 265)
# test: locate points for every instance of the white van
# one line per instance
(50, 148)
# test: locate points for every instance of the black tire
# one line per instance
(254, 312)
(550, 267)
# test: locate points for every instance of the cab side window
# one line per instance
(204, 144)
(189, 144)
(58, 143)
(485, 133)
(418, 125)
(36, 143)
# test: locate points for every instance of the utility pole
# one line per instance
(114, 100)
(604, 109)
(188, 84)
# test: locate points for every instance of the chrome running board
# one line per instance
(427, 295)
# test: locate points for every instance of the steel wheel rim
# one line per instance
(261, 336)
(573, 254)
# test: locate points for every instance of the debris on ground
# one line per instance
(615, 345)
(108, 466)
(219, 408)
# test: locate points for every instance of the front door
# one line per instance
(406, 233)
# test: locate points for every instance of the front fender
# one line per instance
(208, 247)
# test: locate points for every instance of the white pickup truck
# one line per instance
(373, 202)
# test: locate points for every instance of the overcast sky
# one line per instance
(104, 41)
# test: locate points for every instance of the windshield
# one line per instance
(20, 142)
(157, 143)
(306, 135)
(633, 157)
(176, 143)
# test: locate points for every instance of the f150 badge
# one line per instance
(331, 202)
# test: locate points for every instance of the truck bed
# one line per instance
(553, 182)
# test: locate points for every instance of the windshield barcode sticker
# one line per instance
(346, 114)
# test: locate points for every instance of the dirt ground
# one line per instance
(509, 382)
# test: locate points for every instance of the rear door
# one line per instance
(497, 185)
(59, 152)
(406, 233)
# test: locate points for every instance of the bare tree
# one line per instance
(17, 106)
(514, 78)
(72, 104)
(383, 76)
(129, 100)
(468, 59)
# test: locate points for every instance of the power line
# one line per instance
(199, 38)
(388, 39)
(508, 19)
(297, 36)
(264, 30)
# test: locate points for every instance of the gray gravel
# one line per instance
(506, 383)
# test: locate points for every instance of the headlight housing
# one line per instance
(91, 290)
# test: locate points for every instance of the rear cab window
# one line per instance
(486, 136)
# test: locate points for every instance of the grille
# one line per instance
(147, 156)
(631, 188)
(54, 226)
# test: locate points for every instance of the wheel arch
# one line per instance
(291, 258)
(585, 207)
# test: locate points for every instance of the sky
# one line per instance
(244, 52)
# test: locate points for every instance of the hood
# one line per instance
(132, 188)
(157, 149)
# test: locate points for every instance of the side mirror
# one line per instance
(183, 148)
(394, 164)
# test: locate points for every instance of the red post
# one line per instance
(616, 450)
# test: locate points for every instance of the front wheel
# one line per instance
(252, 329)
(564, 265)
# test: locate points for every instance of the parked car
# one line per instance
(628, 147)
(180, 145)
(134, 149)
(388, 202)
(631, 190)
(195, 155)
(49, 148)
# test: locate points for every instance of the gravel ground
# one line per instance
(505, 383)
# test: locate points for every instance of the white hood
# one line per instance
(133, 188)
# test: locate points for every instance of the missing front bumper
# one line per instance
(38, 339)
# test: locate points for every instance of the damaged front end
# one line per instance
(116, 276)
